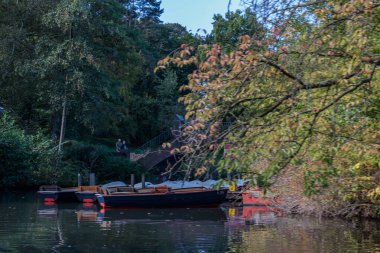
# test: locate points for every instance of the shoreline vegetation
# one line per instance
(283, 94)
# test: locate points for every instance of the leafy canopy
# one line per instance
(301, 92)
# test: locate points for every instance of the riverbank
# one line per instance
(328, 202)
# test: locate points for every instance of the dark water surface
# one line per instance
(32, 227)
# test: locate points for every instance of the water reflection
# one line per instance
(252, 215)
(28, 226)
(155, 230)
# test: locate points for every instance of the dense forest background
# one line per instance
(84, 67)
(77, 75)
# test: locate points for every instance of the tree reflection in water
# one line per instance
(26, 226)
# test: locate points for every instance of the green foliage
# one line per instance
(68, 53)
(158, 41)
(85, 158)
(31, 160)
(167, 96)
(227, 30)
(97, 56)
(316, 180)
(24, 158)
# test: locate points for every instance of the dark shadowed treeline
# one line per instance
(74, 76)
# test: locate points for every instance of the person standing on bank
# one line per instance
(119, 145)
(124, 149)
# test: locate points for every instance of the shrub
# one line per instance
(23, 158)
(85, 158)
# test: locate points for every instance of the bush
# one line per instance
(28, 160)
(85, 158)
(23, 157)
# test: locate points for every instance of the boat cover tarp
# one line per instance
(190, 184)
(113, 184)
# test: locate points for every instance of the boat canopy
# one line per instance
(113, 184)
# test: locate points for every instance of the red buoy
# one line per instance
(88, 200)
(49, 199)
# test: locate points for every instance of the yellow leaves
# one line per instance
(337, 8)
(374, 194)
(268, 53)
(200, 171)
(183, 88)
(250, 57)
(240, 85)
(184, 149)
(245, 39)
(164, 61)
(214, 127)
(237, 66)
(198, 126)
(288, 33)
(174, 151)
(189, 114)
(166, 145)
(364, 178)
(201, 136)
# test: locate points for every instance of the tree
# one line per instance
(82, 70)
(142, 11)
(167, 96)
(227, 30)
(159, 40)
(75, 54)
(289, 95)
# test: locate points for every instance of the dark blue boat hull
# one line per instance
(170, 199)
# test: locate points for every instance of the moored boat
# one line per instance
(256, 198)
(86, 194)
(163, 196)
(52, 193)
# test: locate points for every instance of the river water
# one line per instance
(32, 227)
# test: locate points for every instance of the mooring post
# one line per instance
(143, 180)
(133, 180)
(79, 180)
(92, 179)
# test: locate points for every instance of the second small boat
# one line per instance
(52, 193)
